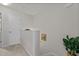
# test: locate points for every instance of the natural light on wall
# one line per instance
(5, 3)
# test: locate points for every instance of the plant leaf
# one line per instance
(67, 37)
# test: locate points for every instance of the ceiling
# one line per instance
(30, 8)
(34, 8)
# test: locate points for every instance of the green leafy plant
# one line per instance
(71, 44)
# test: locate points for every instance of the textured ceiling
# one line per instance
(34, 8)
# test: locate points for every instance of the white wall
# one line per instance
(57, 21)
(30, 42)
(13, 22)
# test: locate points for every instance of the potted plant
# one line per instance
(71, 45)
(77, 50)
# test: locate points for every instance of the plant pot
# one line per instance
(68, 54)
(71, 53)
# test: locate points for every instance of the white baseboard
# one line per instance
(26, 51)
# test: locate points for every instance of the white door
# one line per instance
(4, 31)
(0, 29)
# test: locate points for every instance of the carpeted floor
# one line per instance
(15, 50)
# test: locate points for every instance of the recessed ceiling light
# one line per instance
(5, 3)
(68, 5)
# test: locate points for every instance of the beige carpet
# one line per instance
(14, 50)
(4, 52)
